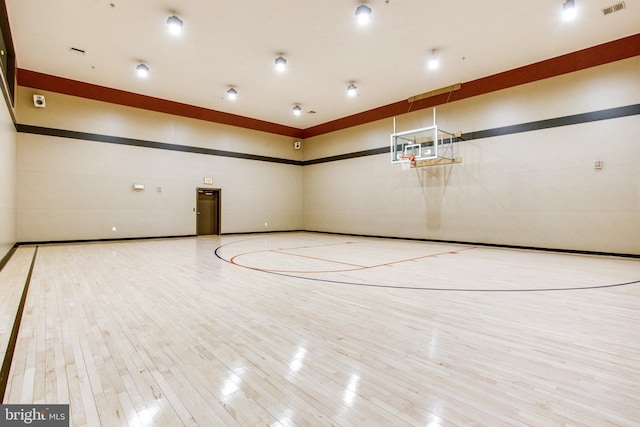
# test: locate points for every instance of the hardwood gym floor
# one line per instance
(311, 329)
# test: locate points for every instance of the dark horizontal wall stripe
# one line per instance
(364, 153)
(42, 81)
(575, 119)
(611, 113)
(149, 144)
(624, 48)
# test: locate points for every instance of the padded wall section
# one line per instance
(79, 189)
(535, 188)
(7, 181)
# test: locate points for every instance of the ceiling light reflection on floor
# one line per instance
(232, 383)
(296, 362)
(350, 391)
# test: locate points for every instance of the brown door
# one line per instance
(208, 211)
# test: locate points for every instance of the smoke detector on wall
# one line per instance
(38, 101)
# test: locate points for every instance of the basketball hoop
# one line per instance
(427, 146)
(407, 160)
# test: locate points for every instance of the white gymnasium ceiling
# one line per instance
(234, 43)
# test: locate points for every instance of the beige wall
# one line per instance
(7, 180)
(71, 189)
(535, 188)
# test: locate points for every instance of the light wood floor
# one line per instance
(303, 329)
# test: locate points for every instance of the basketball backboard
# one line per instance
(421, 144)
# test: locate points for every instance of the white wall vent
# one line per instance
(615, 8)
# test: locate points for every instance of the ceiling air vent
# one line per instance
(615, 8)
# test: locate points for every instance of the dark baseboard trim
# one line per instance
(239, 233)
(130, 239)
(491, 245)
(13, 338)
(375, 236)
(456, 242)
(80, 241)
(5, 259)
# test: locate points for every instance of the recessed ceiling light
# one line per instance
(142, 70)
(434, 60)
(281, 64)
(363, 14)
(175, 25)
(568, 10)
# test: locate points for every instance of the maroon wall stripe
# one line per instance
(47, 82)
(598, 55)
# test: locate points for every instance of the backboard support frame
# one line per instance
(425, 146)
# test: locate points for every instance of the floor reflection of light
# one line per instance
(144, 417)
(284, 420)
(296, 362)
(433, 346)
(435, 421)
(350, 391)
(436, 410)
(232, 383)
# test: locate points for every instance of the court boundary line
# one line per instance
(416, 288)
(13, 337)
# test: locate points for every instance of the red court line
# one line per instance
(232, 259)
(294, 247)
(358, 267)
(424, 256)
(320, 259)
